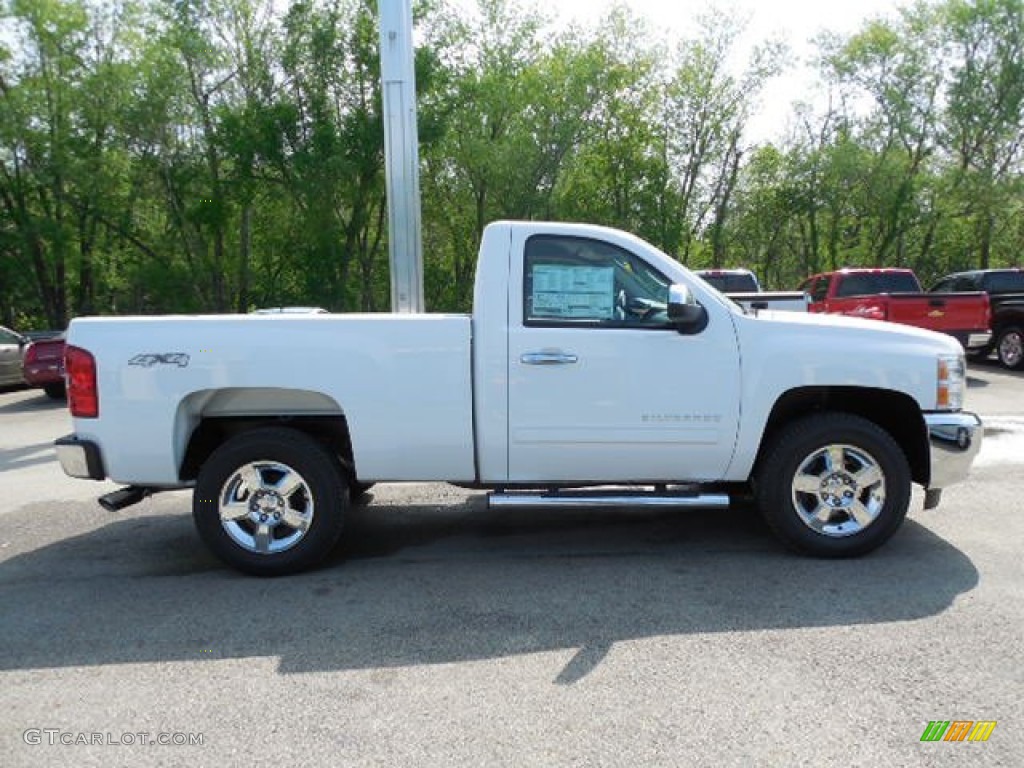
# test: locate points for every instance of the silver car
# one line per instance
(12, 348)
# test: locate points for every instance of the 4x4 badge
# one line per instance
(149, 359)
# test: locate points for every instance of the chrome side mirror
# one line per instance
(684, 312)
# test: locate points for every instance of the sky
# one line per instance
(795, 21)
(798, 19)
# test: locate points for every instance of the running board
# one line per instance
(601, 499)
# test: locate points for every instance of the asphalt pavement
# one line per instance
(442, 634)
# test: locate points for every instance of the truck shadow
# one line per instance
(12, 459)
(416, 585)
(27, 403)
(991, 364)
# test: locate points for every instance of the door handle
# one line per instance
(547, 358)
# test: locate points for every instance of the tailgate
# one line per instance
(945, 312)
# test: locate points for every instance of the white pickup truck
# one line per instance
(594, 371)
(743, 287)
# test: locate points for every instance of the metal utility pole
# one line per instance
(401, 156)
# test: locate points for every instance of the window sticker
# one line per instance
(573, 292)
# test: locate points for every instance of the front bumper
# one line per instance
(954, 439)
(973, 340)
(80, 458)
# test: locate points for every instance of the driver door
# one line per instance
(601, 387)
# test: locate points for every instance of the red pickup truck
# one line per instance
(895, 295)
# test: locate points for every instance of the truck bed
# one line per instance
(409, 409)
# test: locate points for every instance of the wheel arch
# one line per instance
(1000, 333)
(208, 418)
(895, 412)
(1003, 317)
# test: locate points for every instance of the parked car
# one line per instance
(742, 286)
(12, 348)
(43, 366)
(895, 295)
(1005, 289)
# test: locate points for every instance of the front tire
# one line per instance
(270, 502)
(1010, 347)
(834, 485)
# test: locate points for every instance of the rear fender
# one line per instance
(242, 405)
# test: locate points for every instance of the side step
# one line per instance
(575, 499)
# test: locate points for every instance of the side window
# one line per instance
(819, 289)
(967, 283)
(1006, 282)
(944, 286)
(577, 281)
(7, 338)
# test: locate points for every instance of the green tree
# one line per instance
(519, 104)
(984, 121)
(620, 174)
(706, 111)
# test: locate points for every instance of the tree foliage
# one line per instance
(216, 155)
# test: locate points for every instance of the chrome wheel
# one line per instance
(833, 484)
(838, 490)
(1011, 348)
(255, 500)
(266, 507)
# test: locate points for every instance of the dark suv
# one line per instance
(1005, 288)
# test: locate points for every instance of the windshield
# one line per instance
(864, 284)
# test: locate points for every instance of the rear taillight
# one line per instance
(30, 354)
(83, 397)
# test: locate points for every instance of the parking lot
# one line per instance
(444, 634)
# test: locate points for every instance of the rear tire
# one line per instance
(270, 502)
(57, 391)
(1010, 347)
(834, 485)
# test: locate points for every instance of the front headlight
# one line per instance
(951, 376)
